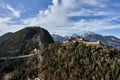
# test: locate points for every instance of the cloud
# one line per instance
(57, 17)
(65, 17)
(7, 22)
(94, 25)
(15, 13)
(4, 28)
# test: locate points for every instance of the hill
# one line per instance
(79, 61)
(23, 41)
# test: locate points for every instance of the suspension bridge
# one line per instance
(22, 56)
(37, 53)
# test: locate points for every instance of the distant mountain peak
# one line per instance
(105, 40)
(74, 35)
(89, 33)
(59, 38)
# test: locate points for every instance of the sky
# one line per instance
(62, 17)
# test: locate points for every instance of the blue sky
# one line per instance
(63, 17)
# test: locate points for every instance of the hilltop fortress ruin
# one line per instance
(76, 38)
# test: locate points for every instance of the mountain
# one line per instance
(61, 61)
(105, 40)
(93, 37)
(59, 38)
(23, 41)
